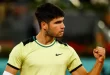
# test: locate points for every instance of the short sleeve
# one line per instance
(15, 57)
(74, 61)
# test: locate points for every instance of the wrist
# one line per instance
(100, 61)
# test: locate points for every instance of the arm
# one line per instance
(10, 71)
(99, 54)
(15, 60)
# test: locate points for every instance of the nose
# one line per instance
(62, 26)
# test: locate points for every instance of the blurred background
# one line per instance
(87, 26)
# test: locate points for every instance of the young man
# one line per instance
(44, 54)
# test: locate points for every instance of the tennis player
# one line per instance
(43, 54)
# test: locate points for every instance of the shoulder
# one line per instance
(29, 40)
(65, 46)
(61, 42)
(24, 43)
(22, 47)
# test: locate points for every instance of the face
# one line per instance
(56, 27)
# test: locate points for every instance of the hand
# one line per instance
(99, 53)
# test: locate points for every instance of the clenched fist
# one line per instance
(99, 53)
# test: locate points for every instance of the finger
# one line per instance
(100, 48)
(95, 50)
(101, 53)
(98, 52)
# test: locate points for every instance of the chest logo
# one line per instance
(57, 54)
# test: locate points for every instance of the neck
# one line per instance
(44, 39)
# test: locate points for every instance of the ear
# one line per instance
(44, 25)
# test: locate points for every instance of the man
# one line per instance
(44, 54)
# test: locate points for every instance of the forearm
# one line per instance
(10, 71)
(97, 68)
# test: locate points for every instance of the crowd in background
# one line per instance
(87, 23)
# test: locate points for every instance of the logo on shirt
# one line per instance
(58, 54)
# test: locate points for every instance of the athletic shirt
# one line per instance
(33, 58)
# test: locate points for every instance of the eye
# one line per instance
(58, 22)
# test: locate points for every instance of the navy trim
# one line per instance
(76, 68)
(12, 66)
(28, 40)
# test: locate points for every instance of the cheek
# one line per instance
(54, 32)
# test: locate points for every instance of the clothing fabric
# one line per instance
(33, 58)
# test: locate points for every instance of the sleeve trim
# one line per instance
(76, 68)
(12, 66)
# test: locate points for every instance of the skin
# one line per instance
(49, 31)
(56, 29)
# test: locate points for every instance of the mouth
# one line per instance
(62, 32)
